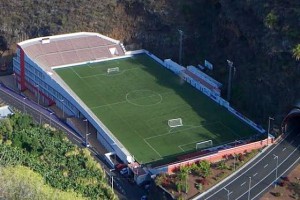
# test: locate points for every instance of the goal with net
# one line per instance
(204, 144)
(175, 122)
(113, 70)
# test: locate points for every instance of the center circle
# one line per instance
(143, 98)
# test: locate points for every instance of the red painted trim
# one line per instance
(32, 87)
(50, 101)
(22, 69)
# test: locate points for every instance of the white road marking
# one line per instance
(272, 172)
(284, 149)
(255, 174)
(76, 140)
(266, 165)
(253, 165)
(243, 183)
(290, 166)
(292, 141)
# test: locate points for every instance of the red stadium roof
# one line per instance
(70, 49)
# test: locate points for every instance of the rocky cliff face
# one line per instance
(257, 36)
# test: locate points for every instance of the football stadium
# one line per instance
(144, 109)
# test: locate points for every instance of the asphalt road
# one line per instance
(253, 180)
(42, 115)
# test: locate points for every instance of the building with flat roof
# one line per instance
(5, 111)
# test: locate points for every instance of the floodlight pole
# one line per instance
(180, 46)
(228, 193)
(230, 65)
(270, 118)
(112, 179)
(86, 130)
(276, 157)
(86, 140)
(50, 115)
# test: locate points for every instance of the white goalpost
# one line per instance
(204, 144)
(113, 70)
(175, 122)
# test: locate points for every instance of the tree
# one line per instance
(271, 20)
(296, 52)
(22, 183)
(204, 166)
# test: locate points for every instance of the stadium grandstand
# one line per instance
(36, 58)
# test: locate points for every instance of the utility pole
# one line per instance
(230, 65)
(112, 179)
(50, 115)
(180, 46)
(86, 140)
(86, 131)
(24, 110)
(228, 193)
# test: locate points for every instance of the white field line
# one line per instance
(180, 130)
(284, 149)
(105, 74)
(120, 102)
(181, 148)
(125, 101)
(152, 148)
(272, 171)
(137, 133)
(243, 183)
(233, 132)
(76, 73)
(253, 164)
(255, 174)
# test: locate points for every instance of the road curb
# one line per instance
(233, 174)
(241, 168)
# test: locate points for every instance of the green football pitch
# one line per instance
(137, 102)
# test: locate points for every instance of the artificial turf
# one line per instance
(137, 102)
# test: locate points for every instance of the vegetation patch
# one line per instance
(54, 161)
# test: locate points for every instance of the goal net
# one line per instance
(175, 122)
(204, 144)
(113, 70)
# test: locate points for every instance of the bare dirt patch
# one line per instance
(288, 187)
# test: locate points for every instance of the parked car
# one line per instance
(124, 171)
(120, 166)
(144, 197)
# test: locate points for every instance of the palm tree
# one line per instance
(296, 52)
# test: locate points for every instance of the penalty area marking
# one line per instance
(230, 129)
(190, 127)
(106, 74)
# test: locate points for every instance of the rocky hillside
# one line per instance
(258, 36)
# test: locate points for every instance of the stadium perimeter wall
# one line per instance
(215, 157)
